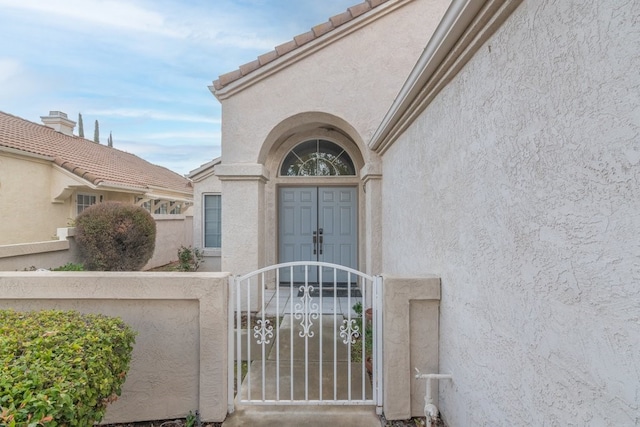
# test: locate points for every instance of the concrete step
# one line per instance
(307, 416)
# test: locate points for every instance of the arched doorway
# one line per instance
(318, 215)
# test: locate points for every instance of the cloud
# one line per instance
(153, 115)
(108, 13)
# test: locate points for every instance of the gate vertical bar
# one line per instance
(377, 343)
(278, 334)
(363, 337)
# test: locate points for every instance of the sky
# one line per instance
(141, 67)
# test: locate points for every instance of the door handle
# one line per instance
(320, 239)
(315, 242)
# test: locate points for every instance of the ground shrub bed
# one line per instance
(60, 368)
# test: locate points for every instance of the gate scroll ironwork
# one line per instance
(305, 343)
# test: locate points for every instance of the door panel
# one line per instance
(331, 212)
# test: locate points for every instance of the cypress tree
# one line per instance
(80, 126)
(96, 133)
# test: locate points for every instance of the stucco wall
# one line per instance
(354, 78)
(172, 231)
(26, 211)
(180, 356)
(521, 190)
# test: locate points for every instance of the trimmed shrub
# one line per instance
(60, 368)
(115, 236)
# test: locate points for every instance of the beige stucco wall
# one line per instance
(410, 342)
(521, 190)
(180, 357)
(172, 231)
(47, 255)
(347, 85)
(26, 211)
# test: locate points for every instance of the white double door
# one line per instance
(318, 224)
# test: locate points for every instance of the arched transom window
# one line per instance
(317, 157)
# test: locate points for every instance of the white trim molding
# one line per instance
(465, 27)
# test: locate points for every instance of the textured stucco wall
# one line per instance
(521, 190)
(26, 212)
(179, 361)
(354, 78)
(172, 231)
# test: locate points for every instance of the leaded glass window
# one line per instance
(317, 157)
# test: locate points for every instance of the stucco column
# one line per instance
(372, 181)
(242, 216)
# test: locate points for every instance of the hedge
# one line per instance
(60, 368)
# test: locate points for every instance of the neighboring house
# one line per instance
(506, 161)
(207, 219)
(48, 176)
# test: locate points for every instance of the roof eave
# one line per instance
(466, 25)
(257, 74)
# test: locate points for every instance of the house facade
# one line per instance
(294, 132)
(491, 143)
(48, 176)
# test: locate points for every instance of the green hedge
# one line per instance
(60, 368)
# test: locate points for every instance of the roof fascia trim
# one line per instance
(465, 27)
(307, 49)
(24, 153)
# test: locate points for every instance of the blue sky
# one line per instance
(141, 67)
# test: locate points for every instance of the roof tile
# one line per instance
(249, 67)
(341, 19)
(322, 29)
(359, 9)
(227, 78)
(265, 58)
(96, 163)
(304, 38)
(285, 48)
(316, 32)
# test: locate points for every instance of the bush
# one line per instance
(115, 236)
(189, 259)
(69, 267)
(60, 368)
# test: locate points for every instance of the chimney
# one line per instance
(58, 120)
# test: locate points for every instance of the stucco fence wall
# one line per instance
(179, 359)
(172, 231)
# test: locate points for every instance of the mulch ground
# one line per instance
(413, 422)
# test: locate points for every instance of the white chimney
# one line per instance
(58, 120)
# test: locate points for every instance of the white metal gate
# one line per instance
(312, 342)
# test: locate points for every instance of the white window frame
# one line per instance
(78, 195)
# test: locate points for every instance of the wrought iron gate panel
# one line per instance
(299, 342)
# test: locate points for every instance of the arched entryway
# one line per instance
(315, 196)
(318, 222)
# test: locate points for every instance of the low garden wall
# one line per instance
(179, 360)
(172, 231)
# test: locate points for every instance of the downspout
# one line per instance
(430, 409)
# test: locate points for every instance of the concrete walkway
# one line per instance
(313, 375)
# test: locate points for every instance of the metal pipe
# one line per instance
(430, 409)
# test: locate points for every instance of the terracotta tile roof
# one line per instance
(97, 163)
(299, 40)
